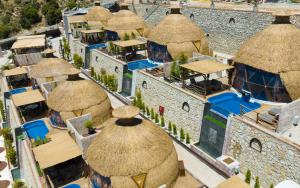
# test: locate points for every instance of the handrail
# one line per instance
(151, 12)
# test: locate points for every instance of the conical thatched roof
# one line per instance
(80, 97)
(141, 147)
(175, 28)
(98, 14)
(125, 20)
(275, 49)
(52, 67)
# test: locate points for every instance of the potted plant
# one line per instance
(170, 127)
(162, 121)
(175, 130)
(89, 125)
(152, 114)
(182, 136)
(187, 138)
(156, 118)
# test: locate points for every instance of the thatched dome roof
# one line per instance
(98, 14)
(125, 20)
(175, 28)
(80, 97)
(52, 67)
(275, 49)
(141, 147)
(180, 35)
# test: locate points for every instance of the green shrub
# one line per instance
(152, 114)
(138, 96)
(78, 62)
(126, 37)
(257, 185)
(5, 132)
(143, 107)
(170, 127)
(2, 111)
(105, 80)
(147, 111)
(248, 177)
(271, 186)
(88, 124)
(92, 71)
(133, 36)
(134, 102)
(182, 135)
(12, 156)
(156, 118)
(187, 138)
(19, 184)
(174, 130)
(162, 121)
(52, 12)
(29, 15)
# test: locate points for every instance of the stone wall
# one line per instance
(288, 112)
(278, 160)
(110, 64)
(78, 48)
(227, 29)
(156, 92)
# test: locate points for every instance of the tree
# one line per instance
(92, 69)
(156, 118)
(126, 37)
(71, 4)
(257, 185)
(19, 184)
(170, 126)
(174, 130)
(52, 12)
(183, 59)
(29, 15)
(248, 177)
(147, 111)
(66, 48)
(12, 156)
(4, 31)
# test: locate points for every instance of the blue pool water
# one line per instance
(72, 186)
(18, 90)
(36, 129)
(140, 64)
(96, 46)
(227, 103)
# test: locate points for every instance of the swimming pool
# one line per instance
(96, 46)
(230, 103)
(18, 90)
(36, 129)
(72, 186)
(140, 64)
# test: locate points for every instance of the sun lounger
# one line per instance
(267, 118)
(275, 112)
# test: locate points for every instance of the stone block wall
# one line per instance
(227, 29)
(156, 92)
(110, 64)
(79, 48)
(288, 113)
(278, 159)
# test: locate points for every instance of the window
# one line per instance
(116, 69)
(97, 58)
(186, 107)
(167, 13)
(256, 144)
(81, 50)
(232, 20)
(192, 16)
(144, 85)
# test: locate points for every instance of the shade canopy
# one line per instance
(206, 66)
(141, 147)
(92, 31)
(61, 148)
(15, 71)
(126, 21)
(52, 67)
(76, 19)
(48, 51)
(98, 14)
(128, 43)
(30, 42)
(234, 181)
(28, 97)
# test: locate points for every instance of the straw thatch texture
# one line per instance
(175, 28)
(80, 97)
(126, 20)
(142, 148)
(177, 49)
(31, 41)
(52, 67)
(98, 14)
(291, 82)
(126, 112)
(275, 49)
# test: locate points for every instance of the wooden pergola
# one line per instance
(129, 46)
(92, 36)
